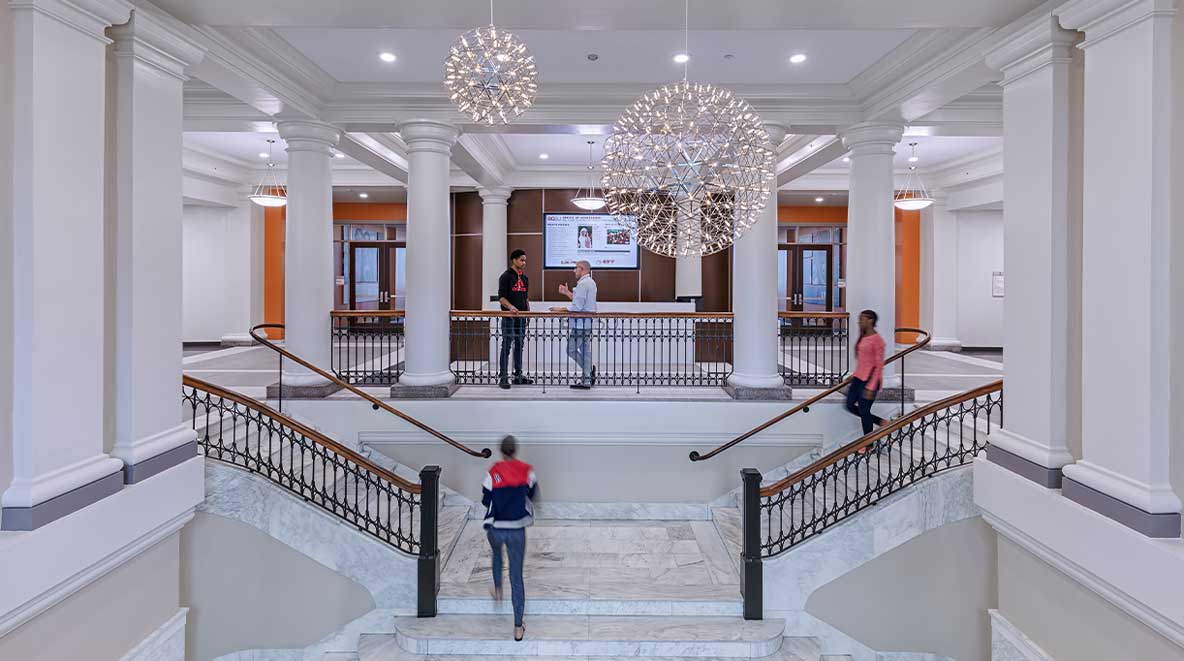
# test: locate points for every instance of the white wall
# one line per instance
(5, 246)
(204, 272)
(980, 253)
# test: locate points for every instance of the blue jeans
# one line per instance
(514, 539)
(579, 349)
(862, 406)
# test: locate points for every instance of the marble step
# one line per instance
(654, 607)
(579, 636)
(384, 648)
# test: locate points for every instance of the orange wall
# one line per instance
(828, 215)
(274, 221)
(908, 272)
(367, 211)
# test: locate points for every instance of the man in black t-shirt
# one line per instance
(513, 288)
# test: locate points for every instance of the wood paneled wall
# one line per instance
(652, 282)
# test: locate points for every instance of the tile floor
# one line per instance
(617, 560)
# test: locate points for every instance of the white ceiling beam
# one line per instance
(818, 156)
(369, 150)
(485, 158)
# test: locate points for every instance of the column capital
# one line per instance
(1100, 19)
(1041, 43)
(498, 195)
(159, 40)
(868, 138)
(309, 135)
(429, 135)
(777, 133)
(90, 17)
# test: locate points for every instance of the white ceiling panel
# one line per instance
(566, 150)
(933, 152)
(623, 56)
(243, 146)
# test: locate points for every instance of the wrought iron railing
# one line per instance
(804, 407)
(813, 348)
(936, 437)
(627, 349)
(367, 346)
(240, 431)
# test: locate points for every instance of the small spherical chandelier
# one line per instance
(691, 166)
(490, 74)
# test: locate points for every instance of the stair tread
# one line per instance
(592, 627)
(382, 647)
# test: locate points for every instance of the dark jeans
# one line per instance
(514, 539)
(862, 406)
(513, 333)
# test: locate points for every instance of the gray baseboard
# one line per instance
(1049, 478)
(745, 393)
(442, 391)
(1165, 525)
(318, 391)
(145, 469)
(32, 518)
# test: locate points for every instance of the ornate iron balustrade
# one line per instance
(813, 348)
(367, 346)
(945, 434)
(235, 429)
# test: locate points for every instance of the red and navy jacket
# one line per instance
(506, 494)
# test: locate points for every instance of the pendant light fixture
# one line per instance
(269, 192)
(590, 200)
(914, 196)
(490, 74)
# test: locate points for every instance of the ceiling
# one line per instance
(243, 146)
(604, 14)
(622, 56)
(934, 152)
(799, 198)
(562, 150)
(374, 194)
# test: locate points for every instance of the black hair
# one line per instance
(518, 252)
(870, 314)
(509, 445)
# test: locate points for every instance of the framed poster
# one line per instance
(997, 284)
(598, 238)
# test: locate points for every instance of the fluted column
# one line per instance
(939, 275)
(1037, 224)
(754, 302)
(308, 252)
(871, 231)
(494, 255)
(54, 262)
(149, 69)
(1131, 291)
(429, 148)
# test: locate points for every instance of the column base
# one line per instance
(438, 391)
(36, 516)
(952, 344)
(748, 393)
(238, 340)
(142, 470)
(143, 458)
(1049, 478)
(309, 391)
(1163, 526)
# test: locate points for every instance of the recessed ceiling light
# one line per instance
(338, 154)
(846, 159)
(363, 195)
(913, 158)
(262, 154)
(797, 58)
(682, 58)
(387, 57)
(544, 156)
(819, 199)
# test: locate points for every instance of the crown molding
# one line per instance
(235, 69)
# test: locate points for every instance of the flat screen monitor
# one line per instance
(599, 238)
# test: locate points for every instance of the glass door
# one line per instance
(805, 278)
(377, 275)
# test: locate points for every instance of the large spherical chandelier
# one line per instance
(690, 165)
(490, 74)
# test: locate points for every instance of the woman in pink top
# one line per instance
(869, 371)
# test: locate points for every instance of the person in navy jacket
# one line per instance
(507, 494)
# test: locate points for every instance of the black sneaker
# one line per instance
(503, 384)
(580, 386)
(522, 381)
(593, 375)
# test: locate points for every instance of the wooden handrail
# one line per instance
(377, 403)
(396, 314)
(805, 406)
(308, 432)
(859, 444)
(796, 314)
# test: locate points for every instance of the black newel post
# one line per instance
(429, 541)
(751, 570)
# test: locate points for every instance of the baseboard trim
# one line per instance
(1158, 525)
(32, 518)
(1049, 478)
(1006, 635)
(133, 473)
(167, 643)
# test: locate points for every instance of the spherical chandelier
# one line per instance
(692, 165)
(490, 74)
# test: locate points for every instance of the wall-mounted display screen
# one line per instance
(599, 238)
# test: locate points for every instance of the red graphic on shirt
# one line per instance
(519, 285)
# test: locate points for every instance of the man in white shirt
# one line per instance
(579, 342)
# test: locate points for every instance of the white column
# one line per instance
(871, 231)
(243, 262)
(1037, 102)
(939, 275)
(429, 148)
(754, 295)
(148, 69)
(494, 251)
(1131, 255)
(58, 384)
(308, 247)
(688, 272)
